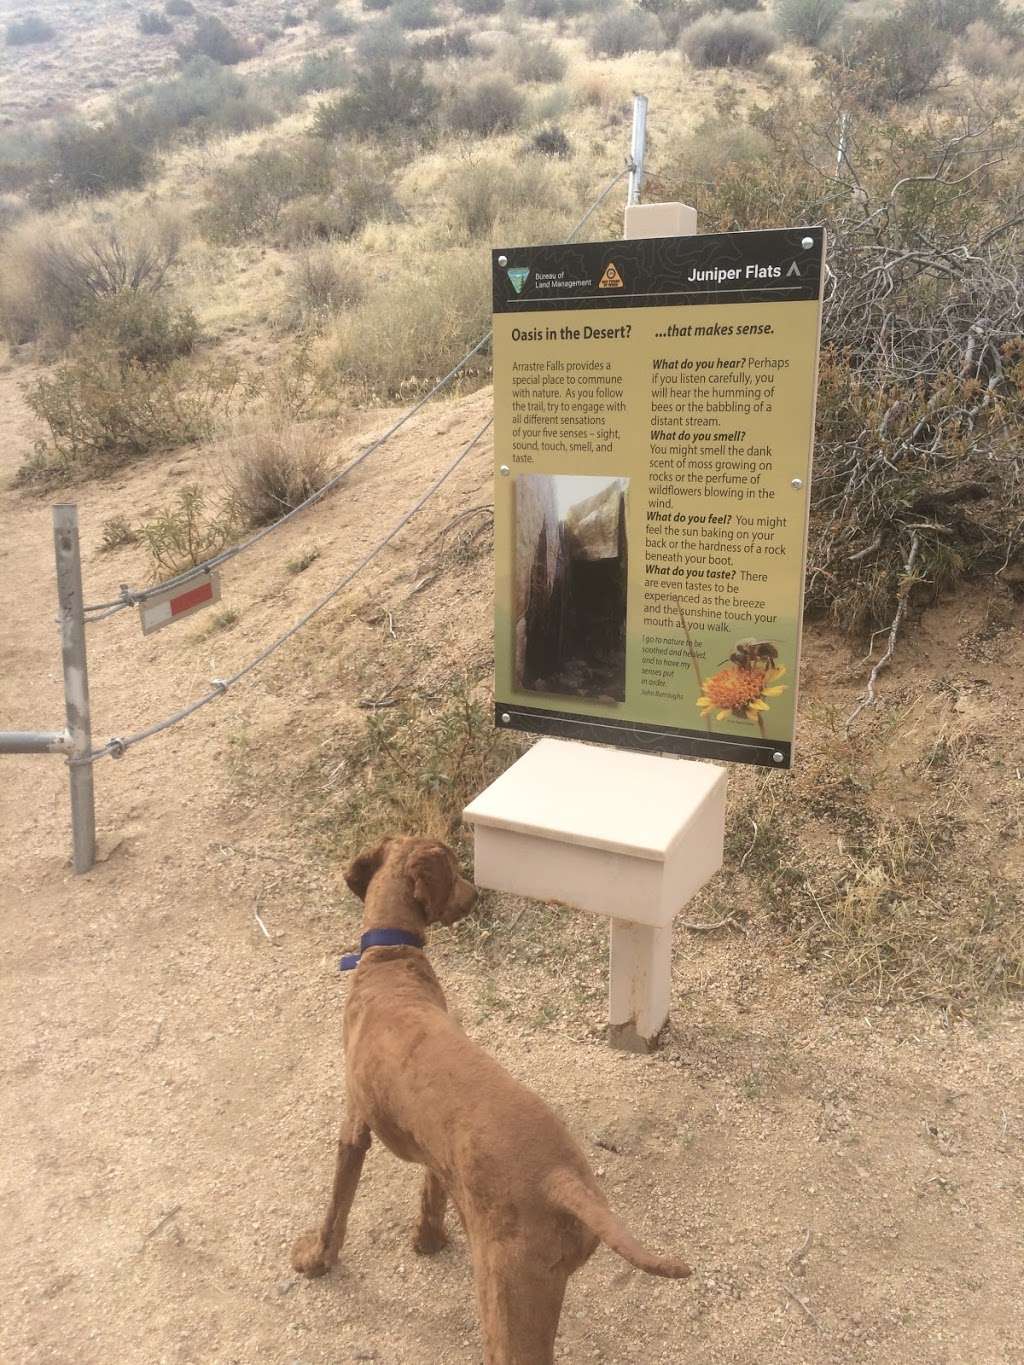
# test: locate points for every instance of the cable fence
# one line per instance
(131, 597)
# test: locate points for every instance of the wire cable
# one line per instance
(118, 747)
(131, 597)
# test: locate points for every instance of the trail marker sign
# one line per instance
(174, 605)
(654, 416)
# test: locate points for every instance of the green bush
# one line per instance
(491, 105)
(246, 200)
(362, 195)
(185, 533)
(728, 40)
(552, 142)
(538, 61)
(87, 162)
(336, 23)
(481, 7)
(382, 41)
(807, 21)
(892, 57)
(415, 14)
(204, 98)
(181, 9)
(30, 29)
(102, 415)
(150, 23)
(386, 97)
(212, 38)
(139, 329)
(453, 43)
(956, 16)
(625, 30)
(319, 71)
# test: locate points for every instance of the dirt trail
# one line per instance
(172, 1078)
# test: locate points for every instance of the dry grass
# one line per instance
(276, 465)
(412, 327)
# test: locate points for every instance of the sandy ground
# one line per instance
(172, 1077)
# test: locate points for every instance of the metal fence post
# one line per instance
(637, 149)
(76, 682)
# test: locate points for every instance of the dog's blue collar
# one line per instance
(380, 938)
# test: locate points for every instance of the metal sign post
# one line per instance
(76, 682)
(76, 740)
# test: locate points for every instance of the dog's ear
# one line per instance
(360, 874)
(433, 879)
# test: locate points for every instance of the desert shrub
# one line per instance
(212, 38)
(30, 29)
(382, 41)
(625, 30)
(291, 20)
(415, 14)
(893, 57)
(83, 161)
(185, 532)
(362, 194)
(481, 7)
(139, 329)
(101, 415)
(806, 21)
(386, 97)
(204, 98)
(319, 71)
(412, 325)
(180, 9)
(336, 23)
(150, 23)
(452, 43)
(491, 105)
(53, 280)
(322, 282)
(956, 16)
(278, 466)
(552, 142)
(246, 199)
(488, 197)
(728, 40)
(984, 53)
(116, 532)
(538, 61)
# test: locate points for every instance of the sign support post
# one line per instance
(654, 406)
(76, 683)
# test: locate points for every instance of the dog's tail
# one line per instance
(567, 1191)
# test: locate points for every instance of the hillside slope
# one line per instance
(173, 1079)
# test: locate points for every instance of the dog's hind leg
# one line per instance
(430, 1234)
(315, 1252)
(520, 1304)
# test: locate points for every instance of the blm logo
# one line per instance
(518, 275)
(611, 279)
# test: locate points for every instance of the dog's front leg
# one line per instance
(430, 1234)
(315, 1252)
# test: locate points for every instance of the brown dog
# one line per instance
(532, 1209)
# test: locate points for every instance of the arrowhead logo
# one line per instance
(518, 275)
(794, 269)
(611, 279)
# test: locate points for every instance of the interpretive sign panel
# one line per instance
(654, 406)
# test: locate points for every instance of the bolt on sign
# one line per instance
(174, 605)
(654, 420)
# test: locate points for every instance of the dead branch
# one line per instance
(869, 698)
